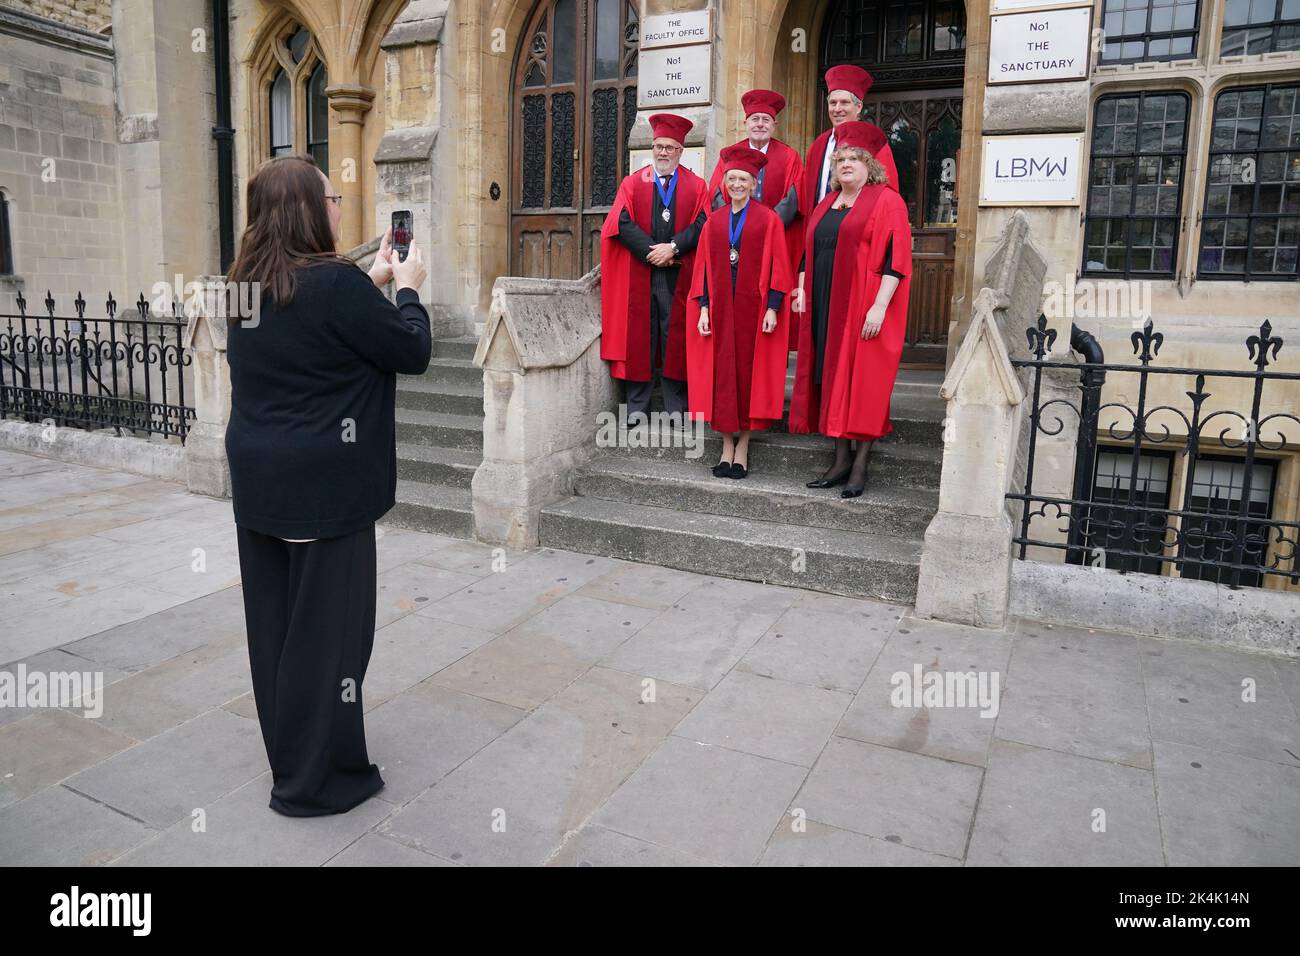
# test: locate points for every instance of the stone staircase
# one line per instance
(439, 441)
(654, 505)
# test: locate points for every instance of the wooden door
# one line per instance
(574, 104)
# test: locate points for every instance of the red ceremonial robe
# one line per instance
(625, 280)
(736, 374)
(784, 169)
(813, 172)
(858, 374)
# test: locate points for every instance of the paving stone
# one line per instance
(714, 803)
(422, 734)
(1220, 809)
(701, 637)
(1043, 808)
(1195, 697)
(598, 846)
(643, 585)
(57, 827)
(55, 662)
(62, 624)
(570, 754)
(374, 850)
(410, 587)
(821, 845)
(165, 778)
(919, 801)
(823, 640)
(949, 732)
(766, 717)
(411, 649)
(242, 830)
(49, 746)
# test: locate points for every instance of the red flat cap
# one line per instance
(848, 77)
(670, 126)
(762, 101)
(742, 157)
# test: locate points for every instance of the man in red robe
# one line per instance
(779, 182)
(646, 253)
(846, 88)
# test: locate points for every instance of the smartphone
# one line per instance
(402, 220)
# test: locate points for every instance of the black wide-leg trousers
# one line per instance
(310, 614)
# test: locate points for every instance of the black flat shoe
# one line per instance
(737, 471)
(852, 491)
(831, 482)
(722, 469)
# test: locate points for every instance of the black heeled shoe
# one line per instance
(853, 491)
(722, 469)
(829, 481)
(737, 471)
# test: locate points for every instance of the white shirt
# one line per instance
(824, 182)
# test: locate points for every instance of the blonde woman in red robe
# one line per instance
(736, 339)
(852, 299)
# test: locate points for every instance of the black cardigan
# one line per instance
(311, 439)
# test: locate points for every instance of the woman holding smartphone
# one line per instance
(313, 465)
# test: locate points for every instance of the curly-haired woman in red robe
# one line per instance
(853, 311)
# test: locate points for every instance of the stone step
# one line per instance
(438, 428)
(436, 509)
(690, 486)
(458, 371)
(453, 467)
(461, 347)
(803, 457)
(821, 559)
(434, 395)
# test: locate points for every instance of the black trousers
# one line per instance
(637, 394)
(310, 614)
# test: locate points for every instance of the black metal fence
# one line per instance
(124, 372)
(1124, 511)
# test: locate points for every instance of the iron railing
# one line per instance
(1224, 529)
(123, 372)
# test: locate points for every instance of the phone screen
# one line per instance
(401, 233)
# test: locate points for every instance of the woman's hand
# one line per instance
(875, 319)
(769, 321)
(410, 272)
(381, 272)
(704, 320)
(796, 297)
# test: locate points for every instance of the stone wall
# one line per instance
(91, 15)
(59, 161)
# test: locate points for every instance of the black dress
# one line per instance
(825, 240)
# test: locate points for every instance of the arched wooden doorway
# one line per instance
(916, 51)
(574, 103)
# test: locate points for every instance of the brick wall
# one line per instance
(91, 15)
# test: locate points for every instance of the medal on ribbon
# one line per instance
(666, 197)
(733, 232)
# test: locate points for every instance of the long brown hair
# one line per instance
(288, 228)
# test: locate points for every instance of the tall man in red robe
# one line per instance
(779, 182)
(646, 253)
(846, 88)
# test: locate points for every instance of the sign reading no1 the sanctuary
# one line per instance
(1031, 170)
(674, 76)
(1038, 47)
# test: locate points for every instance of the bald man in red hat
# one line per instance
(846, 89)
(780, 181)
(646, 253)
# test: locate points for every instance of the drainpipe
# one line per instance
(223, 133)
(1086, 448)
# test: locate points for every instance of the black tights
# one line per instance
(858, 470)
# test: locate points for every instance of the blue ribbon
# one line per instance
(666, 198)
(733, 229)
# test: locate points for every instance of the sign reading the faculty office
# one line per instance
(1031, 170)
(675, 61)
(1039, 47)
(675, 29)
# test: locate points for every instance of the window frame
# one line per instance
(1251, 217)
(7, 265)
(1124, 453)
(276, 57)
(1128, 273)
(1148, 35)
(1184, 560)
(1272, 26)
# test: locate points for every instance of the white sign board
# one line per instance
(1005, 6)
(1035, 47)
(675, 76)
(675, 29)
(692, 157)
(1032, 170)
